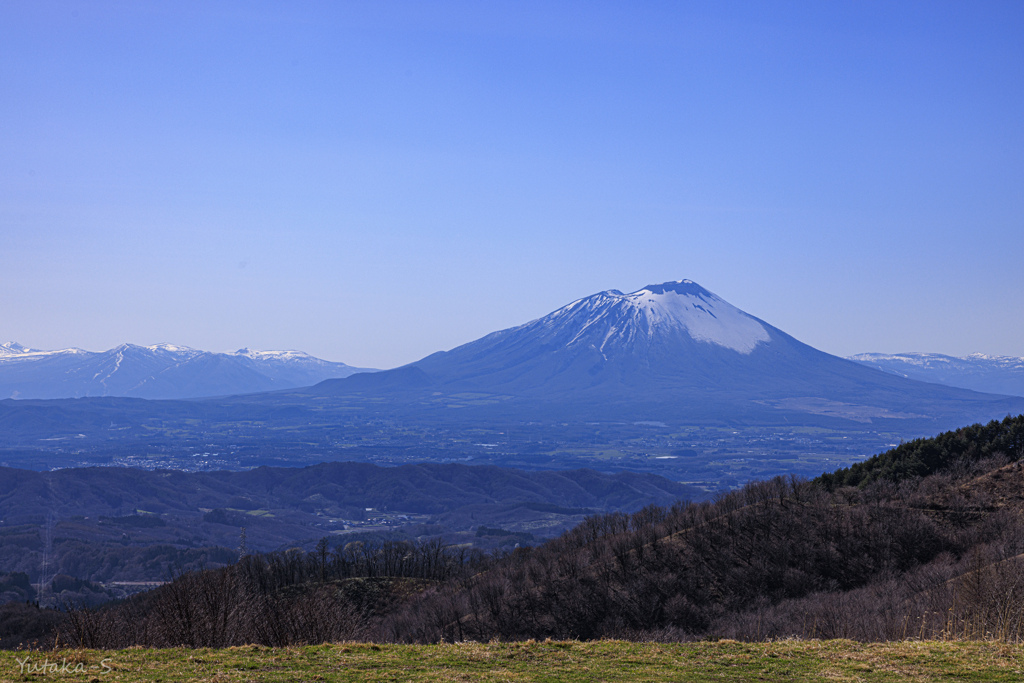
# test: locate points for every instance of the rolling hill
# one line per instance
(107, 523)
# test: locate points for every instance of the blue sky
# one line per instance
(374, 181)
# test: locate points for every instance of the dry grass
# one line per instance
(836, 660)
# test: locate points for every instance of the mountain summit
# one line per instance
(615, 322)
(671, 351)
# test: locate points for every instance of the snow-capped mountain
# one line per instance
(675, 329)
(992, 374)
(158, 371)
(14, 350)
(673, 350)
(624, 321)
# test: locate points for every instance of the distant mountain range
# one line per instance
(672, 351)
(163, 371)
(991, 374)
(603, 370)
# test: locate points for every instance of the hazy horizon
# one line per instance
(372, 183)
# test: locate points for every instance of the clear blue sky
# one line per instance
(374, 181)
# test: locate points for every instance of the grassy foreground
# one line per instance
(836, 660)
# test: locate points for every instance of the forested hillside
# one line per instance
(947, 451)
(929, 555)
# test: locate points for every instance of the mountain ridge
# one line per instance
(159, 371)
(976, 371)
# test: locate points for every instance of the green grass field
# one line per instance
(837, 660)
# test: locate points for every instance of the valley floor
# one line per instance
(791, 660)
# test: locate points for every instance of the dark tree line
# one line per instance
(275, 599)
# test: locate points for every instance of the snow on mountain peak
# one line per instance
(682, 306)
(705, 317)
(255, 354)
(13, 348)
(172, 348)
